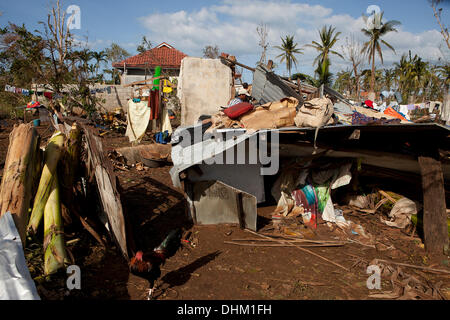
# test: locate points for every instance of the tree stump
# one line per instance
(22, 166)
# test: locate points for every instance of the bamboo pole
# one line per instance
(54, 249)
(52, 155)
(302, 249)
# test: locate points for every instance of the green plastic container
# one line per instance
(156, 81)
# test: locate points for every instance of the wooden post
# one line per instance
(21, 171)
(434, 207)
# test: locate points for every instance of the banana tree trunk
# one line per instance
(54, 249)
(68, 169)
(52, 154)
(21, 172)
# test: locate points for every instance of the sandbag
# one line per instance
(314, 113)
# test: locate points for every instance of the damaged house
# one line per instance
(142, 66)
(284, 150)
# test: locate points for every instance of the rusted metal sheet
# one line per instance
(215, 202)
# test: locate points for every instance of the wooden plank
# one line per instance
(434, 215)
(142, 81)
(100, 166)
(238, 64)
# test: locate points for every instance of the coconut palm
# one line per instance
(328, 39)
(375, 35)
(388, 79)
(289, 49)
(344, 81)
(99, 57)
(323, 72)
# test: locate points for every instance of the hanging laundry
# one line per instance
(153, 102)
(166, 126)
(138, 115)
(167, 86)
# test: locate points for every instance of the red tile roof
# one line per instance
(163, 55)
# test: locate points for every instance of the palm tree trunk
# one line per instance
(355, 70)
(372, 76)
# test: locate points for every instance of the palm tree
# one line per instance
(328, 39)
(373, 45)
(323, 72)
(388, 79)
(418, 73)
(289, 49)
(344, 81)
(99, 57)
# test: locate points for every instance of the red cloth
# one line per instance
(369, 103)
(153, 103)
(48, 95)
(33, 104)
(237, 110)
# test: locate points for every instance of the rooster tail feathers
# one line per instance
(171, 242)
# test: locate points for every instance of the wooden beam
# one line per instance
(238, 64)
(434, 212)
(142, 81)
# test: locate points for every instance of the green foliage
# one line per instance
(28, 58)
(375, 34)
(289, 49)
(144, 46)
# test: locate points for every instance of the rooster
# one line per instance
(148, 267)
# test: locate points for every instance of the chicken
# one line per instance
(148, 266)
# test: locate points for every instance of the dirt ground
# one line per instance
(207, 268)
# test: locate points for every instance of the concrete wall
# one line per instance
(204, 86)
(116, 99)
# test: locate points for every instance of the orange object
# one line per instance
(391, 112)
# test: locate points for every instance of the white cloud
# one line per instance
(232, 26)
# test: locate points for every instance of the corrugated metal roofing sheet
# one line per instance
(268, 87)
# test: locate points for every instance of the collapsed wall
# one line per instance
(204, 85)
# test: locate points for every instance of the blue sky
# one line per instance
(231, 24)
